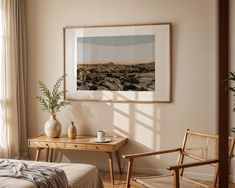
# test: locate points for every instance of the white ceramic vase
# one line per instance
(52, 127)
(72, 131)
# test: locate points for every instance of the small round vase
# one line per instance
(52, 127)
(72, 131)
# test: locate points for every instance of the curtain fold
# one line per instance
(13, 137)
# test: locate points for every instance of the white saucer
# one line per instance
(102, 141)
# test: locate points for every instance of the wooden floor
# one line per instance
(121, 179)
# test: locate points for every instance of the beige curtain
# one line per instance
(13, 137)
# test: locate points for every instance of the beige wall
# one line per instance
(148, 126)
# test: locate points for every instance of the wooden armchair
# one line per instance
(203, 148)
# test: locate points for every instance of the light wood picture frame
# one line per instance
(118, 63)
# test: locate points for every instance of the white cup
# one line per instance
(101, 135)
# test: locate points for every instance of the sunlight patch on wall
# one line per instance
(119, 133)
(125, 108)
(157, 125)
(121, 117)
(144, 119)
(144, 114)
(144, 135)
(157, 141)
(158, 113)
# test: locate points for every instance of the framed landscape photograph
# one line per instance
(118, 63)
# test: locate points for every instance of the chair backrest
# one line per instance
(201, 147)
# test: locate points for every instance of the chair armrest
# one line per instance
(131, 156)
(188, 165)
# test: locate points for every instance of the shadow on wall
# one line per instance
(140, 122)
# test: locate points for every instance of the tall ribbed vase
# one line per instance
(52, 127)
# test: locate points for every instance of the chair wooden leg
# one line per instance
(176, 178)
(130, 165)
(216, 177)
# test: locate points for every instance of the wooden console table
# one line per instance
(84, 143)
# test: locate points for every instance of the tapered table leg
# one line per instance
(47, 154)
(111, 167)
(38, 154)
(51, 154)
(118, 161)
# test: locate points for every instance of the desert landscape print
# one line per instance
(116, 63)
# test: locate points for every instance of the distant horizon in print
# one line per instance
(116, 63)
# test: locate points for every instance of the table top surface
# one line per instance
(79, 139)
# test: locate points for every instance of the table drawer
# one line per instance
(76, 146)
(47, 144)
(93, 147)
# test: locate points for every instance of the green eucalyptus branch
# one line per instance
(233, 129)
(51, 100)
(232, 88)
